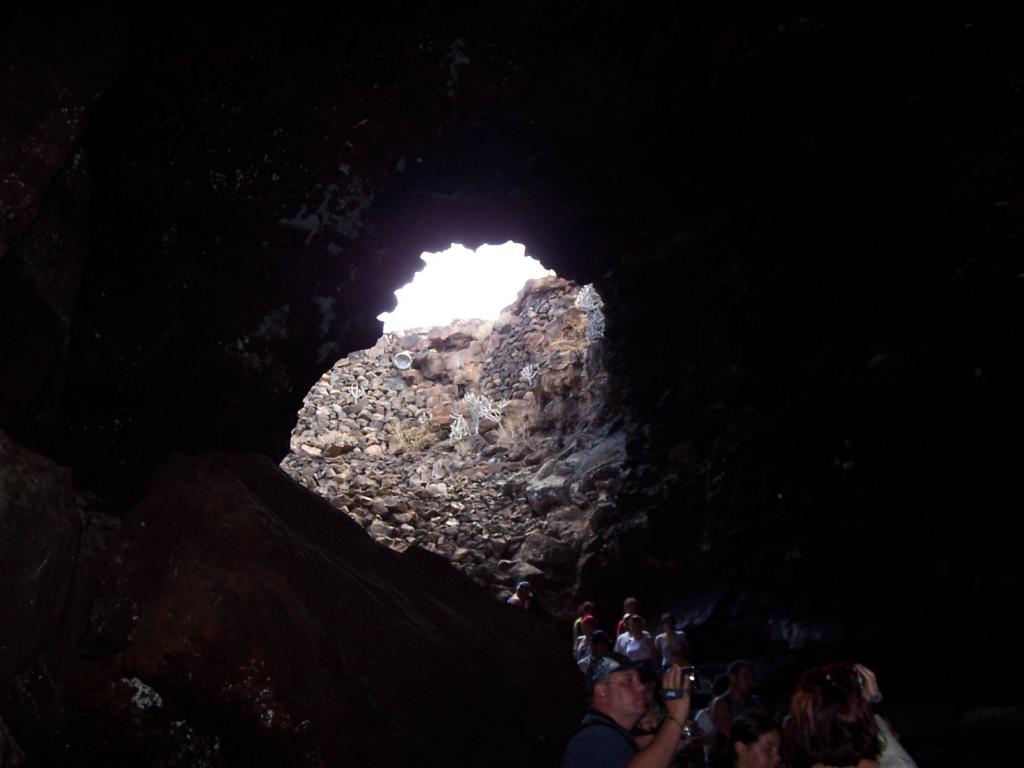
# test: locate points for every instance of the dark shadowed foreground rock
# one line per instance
(247, 622)
(39, 534)
(39, 538)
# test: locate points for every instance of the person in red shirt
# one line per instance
(630, 606)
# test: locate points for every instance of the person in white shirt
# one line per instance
(636, 643)
(671, 644)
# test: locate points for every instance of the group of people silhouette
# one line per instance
(642, 690)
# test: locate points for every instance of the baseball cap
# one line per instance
(603, 666)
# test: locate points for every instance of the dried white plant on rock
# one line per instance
(482, 407)
(588, 299)
(458, 430)
(590, 302)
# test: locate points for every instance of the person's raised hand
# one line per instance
(870, 684)
(677, 709)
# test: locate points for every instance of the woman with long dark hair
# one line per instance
(832, 722)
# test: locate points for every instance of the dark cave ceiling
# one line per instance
(805, 227)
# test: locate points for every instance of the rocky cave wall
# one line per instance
(520, 497)
(805, 227)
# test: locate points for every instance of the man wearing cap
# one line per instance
(617, 702)
(599, 645)
(523, 598)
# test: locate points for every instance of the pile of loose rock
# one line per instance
(513, 500)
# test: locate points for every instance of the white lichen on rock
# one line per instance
(339, 212)
(143, 696)
(456, 58)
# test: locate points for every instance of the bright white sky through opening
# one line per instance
(460, 284)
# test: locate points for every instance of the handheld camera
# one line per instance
(688, 673)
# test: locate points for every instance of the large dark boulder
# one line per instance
(246, 620)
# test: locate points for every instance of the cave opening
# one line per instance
(476, 426)
(462, 284)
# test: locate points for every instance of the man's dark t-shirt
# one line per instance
(599, 742)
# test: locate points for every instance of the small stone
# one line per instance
(526, 572)
(438, 489)
(393, 503)
(499, 546)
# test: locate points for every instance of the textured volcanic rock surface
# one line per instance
(513, 501)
